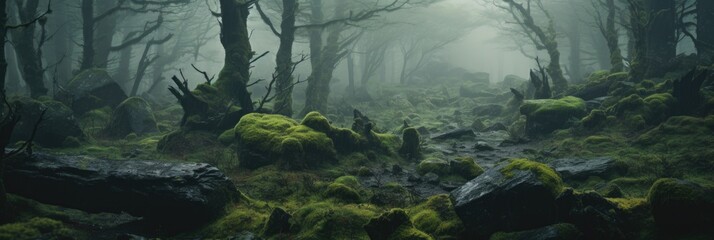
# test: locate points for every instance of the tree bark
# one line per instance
(661, 36)
(87, 34)
(575, 59)
(104, 34)
(3, 66)
(315, 38)
(284, 64)
(612, 36)
(638, 50)
(234, 77)
(705, 35)
(28, 54)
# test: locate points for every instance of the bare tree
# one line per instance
(609, 31)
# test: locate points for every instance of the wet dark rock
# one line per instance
(561, 231)
(278, 222)
(594, 215)
(581, 168)
(396, 169)
(431, 177)
(57, 125)
(413, 178)
(423, 131)
(493, 202)
(496, 127)
(478, 126)
(91, 89)
(596, 102)
(127, 236)
(449, 185)
(164, 194)
(384, 226)
(131, 116)
(482, 146)
(490, 110)
(453, 134)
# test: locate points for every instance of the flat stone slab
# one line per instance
(582, 168)
(167, 195)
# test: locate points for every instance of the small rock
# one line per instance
(279, 222)
(457, 133)
(396, 169)
(431, 178)
(581, 168)
(496, 127)
(482, 146)
(413, 178)
(449, 185)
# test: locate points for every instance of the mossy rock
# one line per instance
(596, 118)
(57, 124)
(653, 109)
(36, 228)
(466, 167)
(329, 220)
(546, 115)
(394, 225)
(679, 206)
(91, 89)
(183, 142)
(261, 137)
(546, 175)
(342, 193)
(134, 115)
(436, 216)
(392, 195)
(434, 165)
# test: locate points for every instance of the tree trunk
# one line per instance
(638, 50)
(87, 34)
(3, 70)
(661, 36)
(234, 77)
(705, 35)
(350, 75)
(284, 64)
(612, 37)
(560, 84)
(575, 59)
(61, 44)
(104, 34)
(312, 101)
(29, 56)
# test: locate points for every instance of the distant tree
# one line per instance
(543, 39)
(639, 22)
(606, 23)
(28, 46)
(661, 36)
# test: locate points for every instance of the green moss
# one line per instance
(328, 220)
(436, 216)
(34, 229)
(567, 106)
(394, 225)
(629, 204)
(318, 122)
(343, 193)
(594, 119)
(349, 181)
(545, 174)
(672, 198)
(264, 134)
(597, 139)
(466, 167)
(242, 217)
(433, 165)
(227, 137)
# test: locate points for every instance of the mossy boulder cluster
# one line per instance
(464, 167)
(57, 124)
(546, 115)
(134, 115)
(265, 139)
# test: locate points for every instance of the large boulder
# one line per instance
(680, 206)
(57, 124)
(546, 115)
(134, 115)
(167, 195)
(516, 196)
(91, 89)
